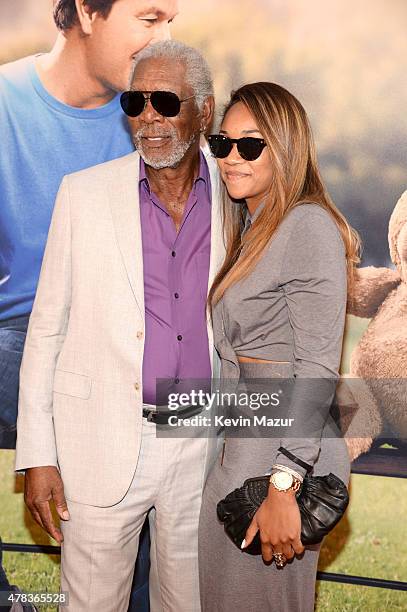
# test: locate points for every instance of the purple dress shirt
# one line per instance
(176, 269)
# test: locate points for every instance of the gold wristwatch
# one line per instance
(284, 481)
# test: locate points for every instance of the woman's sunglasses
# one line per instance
(166, 103)
(249, 148)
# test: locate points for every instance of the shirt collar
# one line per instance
(249, 219)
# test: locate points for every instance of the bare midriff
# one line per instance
(244, 359)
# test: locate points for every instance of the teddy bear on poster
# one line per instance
(378, 366)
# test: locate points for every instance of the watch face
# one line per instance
(282, 480)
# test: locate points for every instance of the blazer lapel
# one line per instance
(125, 208)
(217, 252)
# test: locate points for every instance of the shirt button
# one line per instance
(139, 335)
(136, 386)
(173, 253)
(179, 337)
(176, 295)
(176, 380)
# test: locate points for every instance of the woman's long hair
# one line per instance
(284, 126)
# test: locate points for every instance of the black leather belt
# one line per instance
(161, 417)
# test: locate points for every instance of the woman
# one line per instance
(278, 306)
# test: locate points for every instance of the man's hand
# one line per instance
(43, 484)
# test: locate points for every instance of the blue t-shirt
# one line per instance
(42, 139)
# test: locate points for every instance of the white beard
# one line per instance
(169, 160)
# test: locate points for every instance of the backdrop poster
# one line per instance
(344, 60)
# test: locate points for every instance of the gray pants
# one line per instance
(233, 581)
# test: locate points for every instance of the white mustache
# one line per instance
(152, 135)
(143, 133)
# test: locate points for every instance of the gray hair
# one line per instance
(197, 72)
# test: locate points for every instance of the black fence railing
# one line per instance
(331, 577)
(363, 581)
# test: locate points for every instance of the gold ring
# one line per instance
(279, 559)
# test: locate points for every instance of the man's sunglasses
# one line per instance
(249, 148)
(166, 103)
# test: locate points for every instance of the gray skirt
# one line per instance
(231, 580)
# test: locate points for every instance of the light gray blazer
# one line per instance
(80, 403)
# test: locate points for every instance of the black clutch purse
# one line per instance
(322, 501)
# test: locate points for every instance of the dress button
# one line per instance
(139, 335)
(176, 380)
(136, 386)
(173, 253)
(179, 337)
(176, 295)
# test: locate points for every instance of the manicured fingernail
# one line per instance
(65, 515)
(243, 544)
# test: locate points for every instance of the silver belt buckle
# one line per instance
(150, 416)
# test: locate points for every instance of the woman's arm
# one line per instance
(314, 281)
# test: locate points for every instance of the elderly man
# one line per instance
(60, 113)
(133, 246)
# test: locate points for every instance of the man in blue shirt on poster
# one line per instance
(59, 113)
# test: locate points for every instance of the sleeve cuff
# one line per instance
(283, 460)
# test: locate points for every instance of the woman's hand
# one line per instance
(279, 521)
